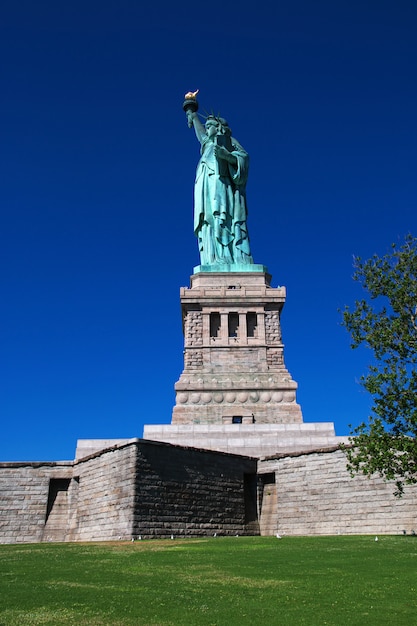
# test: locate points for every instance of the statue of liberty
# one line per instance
(220, 210)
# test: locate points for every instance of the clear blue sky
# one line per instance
(96, 183)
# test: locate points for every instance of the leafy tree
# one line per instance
(386, 322)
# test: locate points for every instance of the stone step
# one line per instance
(257, 440)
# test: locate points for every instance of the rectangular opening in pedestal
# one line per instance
(214, 324)
(251, 324)
(250, 497)
(233, 324)
(57, 498)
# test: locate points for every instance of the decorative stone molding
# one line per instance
(253, 396)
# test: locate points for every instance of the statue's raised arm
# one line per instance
(220, 210)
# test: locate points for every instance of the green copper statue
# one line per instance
(220, 210)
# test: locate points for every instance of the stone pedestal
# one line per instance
(234, 371)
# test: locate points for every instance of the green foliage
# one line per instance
(211, 582)
(386, 322)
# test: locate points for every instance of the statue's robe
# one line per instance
(220, 210)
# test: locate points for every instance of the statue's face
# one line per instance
(211, 128)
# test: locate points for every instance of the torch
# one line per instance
(190, 104)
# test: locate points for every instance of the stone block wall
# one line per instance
(273, 327)
(24, 489)
(185, 491)
(315, 495)
(103, 509)
(135, 488)
(151, 489)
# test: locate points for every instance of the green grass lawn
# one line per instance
(212, 582)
